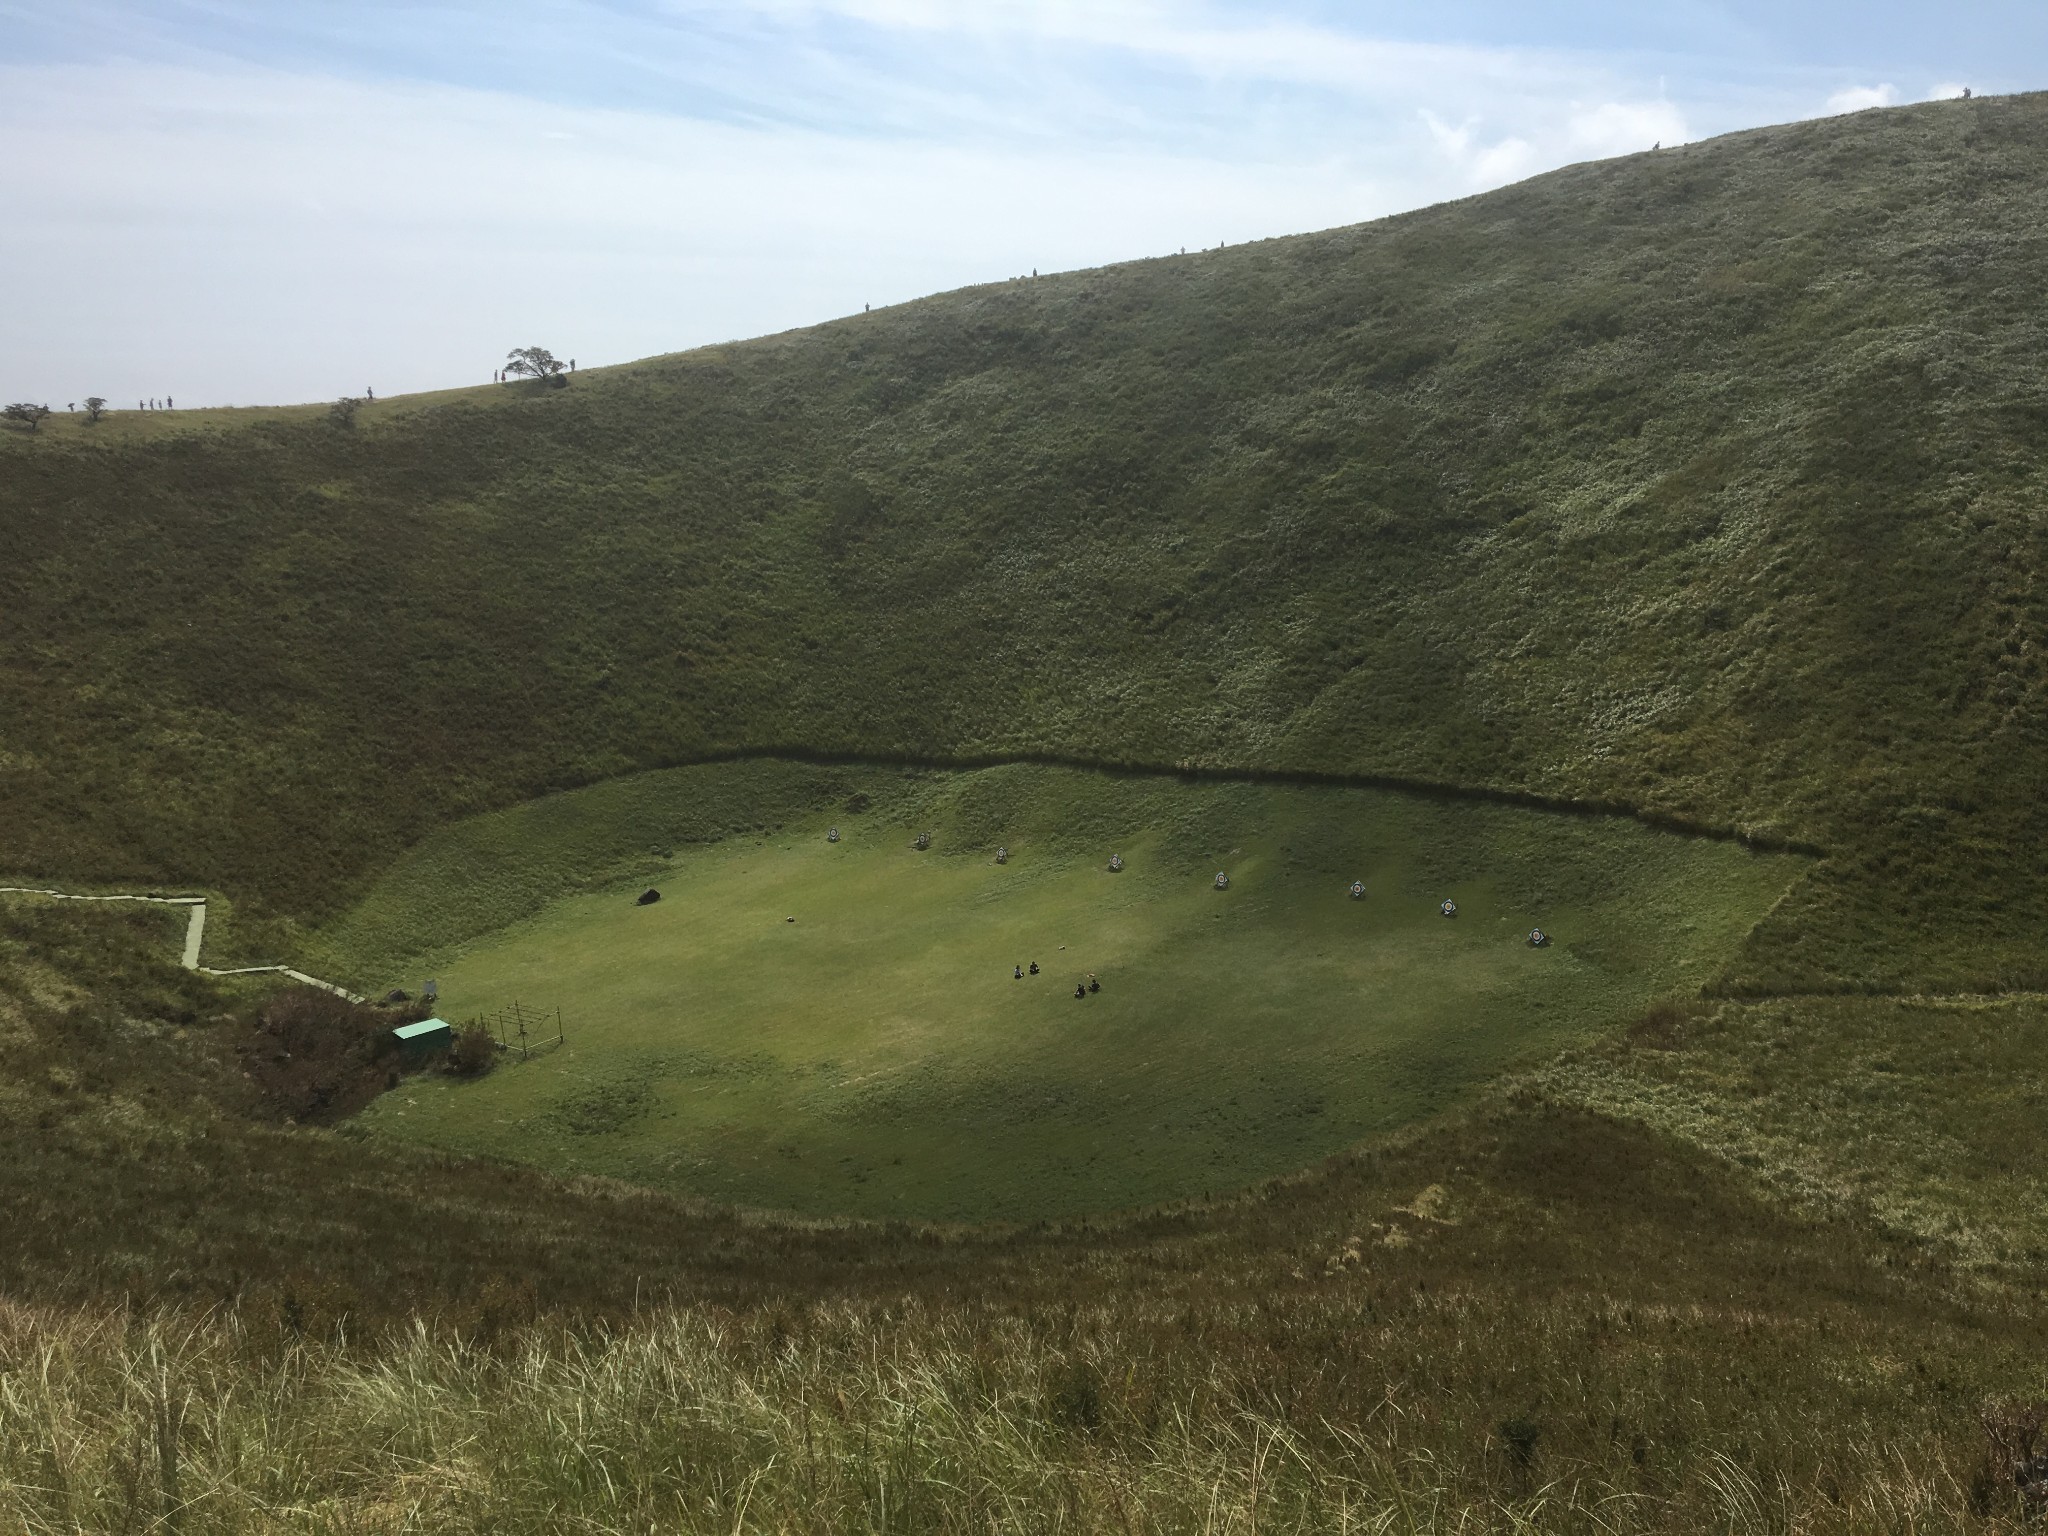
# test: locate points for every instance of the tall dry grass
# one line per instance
(839, 1420)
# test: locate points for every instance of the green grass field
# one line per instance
(877, 1056)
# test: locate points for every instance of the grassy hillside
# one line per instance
(837, 1027)
(1702, 481)
(1704, 484)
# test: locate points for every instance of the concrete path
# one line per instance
(195, 933)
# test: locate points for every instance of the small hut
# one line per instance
(416, 1042)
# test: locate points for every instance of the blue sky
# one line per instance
(229, 201)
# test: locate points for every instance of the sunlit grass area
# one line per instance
(838, 1026)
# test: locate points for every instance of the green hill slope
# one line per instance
(1705, 482)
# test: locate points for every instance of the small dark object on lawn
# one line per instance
(1222, 881)
(1002, 855)
(1538, 938)
(1079, 990)
(648, 897)
(398, 995)
(1094, 985)
(789, 919)
(832, 836)
(1449, 908)
(1034, 967)
(1116, 862)
(1017, 972)
(1357, 889)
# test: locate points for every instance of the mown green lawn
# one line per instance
(877, 1056)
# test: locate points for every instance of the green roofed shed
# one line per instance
(417, 1040)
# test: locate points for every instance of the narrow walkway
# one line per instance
(195, 933)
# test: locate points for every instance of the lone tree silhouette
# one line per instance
(30, 416)
(537, 363)
(95, 407)
(343, 412)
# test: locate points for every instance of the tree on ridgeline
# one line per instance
(537, 363)
(95, 407)
(30, 416)
(343, 412)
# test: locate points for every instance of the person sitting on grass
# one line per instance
(1017, 972)
(1034, 967)
(1079, 990)
(1093, 984)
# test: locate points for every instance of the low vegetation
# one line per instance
(1562, 1308)
(1582, 1415)
(316, 1058)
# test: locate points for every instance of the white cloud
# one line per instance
(1625, 127)
(1861, 98)
(1948, 90)
(1482, 164)
(1573, 132)
(222, 232)
(266, 236)
(1510, 159)
(1196, 38)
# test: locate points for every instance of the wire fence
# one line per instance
(529, 1031)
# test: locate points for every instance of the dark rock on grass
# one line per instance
(648, 897)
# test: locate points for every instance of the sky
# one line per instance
(258, 201)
